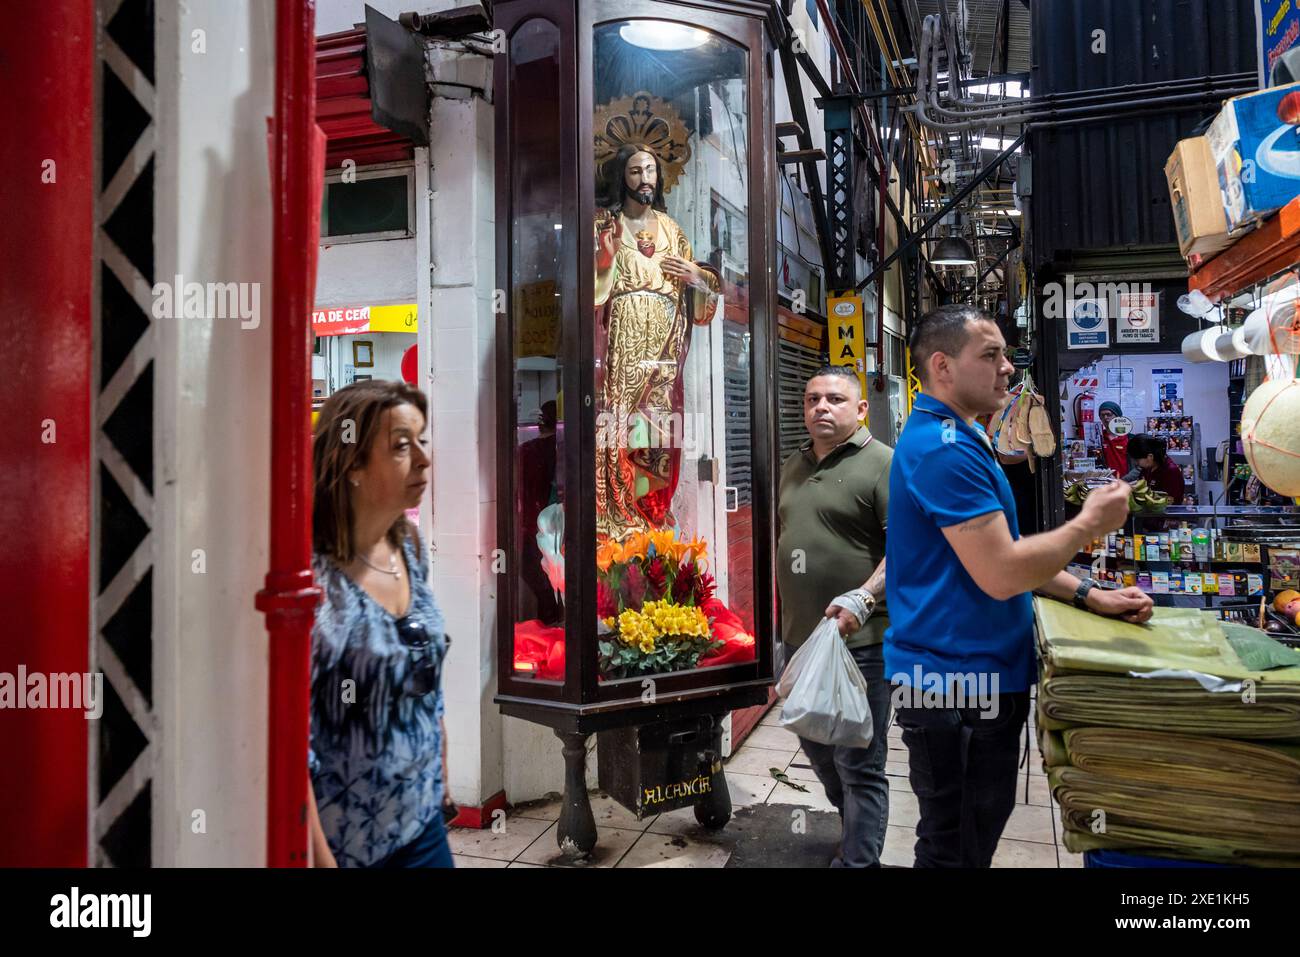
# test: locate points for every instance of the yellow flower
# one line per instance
(670, 619)
(636, 546)
(663, 542)
(635, 628)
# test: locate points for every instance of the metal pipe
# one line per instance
(1079, 120)
(947, 207)
(880, 286)
(289, 596)
(1088, 98)
(814, 75)
(1091, 113)
(995, 115)
(928, 67)
(1029, 109)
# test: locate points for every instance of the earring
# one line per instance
(355, 483)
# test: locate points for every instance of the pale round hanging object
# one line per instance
(1226, 347)
(1270, 434)
(1240, 345)
(1273, 329)
(1201, 346)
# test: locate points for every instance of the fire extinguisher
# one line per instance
(1085, 412)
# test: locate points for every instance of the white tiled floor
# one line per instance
(1032, 837)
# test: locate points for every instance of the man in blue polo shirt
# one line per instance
(960, 647)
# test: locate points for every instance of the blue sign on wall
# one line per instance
(1277, 30)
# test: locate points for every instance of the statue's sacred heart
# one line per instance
(645, 242)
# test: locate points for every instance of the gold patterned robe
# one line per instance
(645, 315)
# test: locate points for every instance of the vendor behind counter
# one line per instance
(1149, 459)
(1114, 448)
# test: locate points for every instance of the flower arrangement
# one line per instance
(651, 597)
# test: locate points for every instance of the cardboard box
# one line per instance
(1199, 219)
(1255, 144)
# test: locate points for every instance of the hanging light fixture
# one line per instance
(660, 35)
(953, 251)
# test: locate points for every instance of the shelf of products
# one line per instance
(1190, 551)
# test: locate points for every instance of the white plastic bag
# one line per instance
(825, 693)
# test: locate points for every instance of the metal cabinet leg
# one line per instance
(713, 809)
(576, 831)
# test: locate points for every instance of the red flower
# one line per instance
(704, 586)
(634, 585)
(684, 582)
(606, 601)
(657, 576)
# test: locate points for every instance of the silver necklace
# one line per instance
(392, 568)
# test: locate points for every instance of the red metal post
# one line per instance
(289, 598)
(46, 271)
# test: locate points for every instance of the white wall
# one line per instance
(212, 400)
(376, 273)
(387, 354)
(462, 413)
(334, 16)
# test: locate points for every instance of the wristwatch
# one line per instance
(1081, 593)
(868, 599)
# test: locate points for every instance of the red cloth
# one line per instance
(542, 647)
(1114, 453)
(738, 645)
(1168, 478)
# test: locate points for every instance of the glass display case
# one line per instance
(636, 448)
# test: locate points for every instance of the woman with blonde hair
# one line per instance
(378, 642)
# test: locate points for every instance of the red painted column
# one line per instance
(289, 598)
(46, 151)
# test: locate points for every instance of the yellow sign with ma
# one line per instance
(848, 340)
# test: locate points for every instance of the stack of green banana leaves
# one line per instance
(1180, 737)
(1143, 498)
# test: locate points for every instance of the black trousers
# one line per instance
(963, 765)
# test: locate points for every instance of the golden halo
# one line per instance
(642, 118)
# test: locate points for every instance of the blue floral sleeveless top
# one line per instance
(375, 752)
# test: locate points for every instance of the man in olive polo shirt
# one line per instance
(833, 509)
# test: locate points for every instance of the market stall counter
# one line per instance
(1179, 738)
